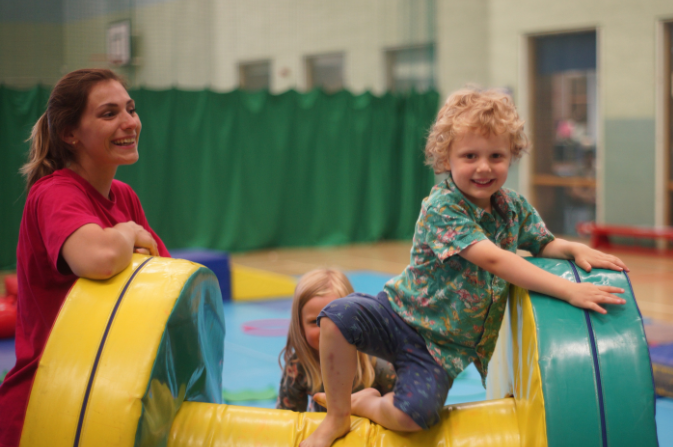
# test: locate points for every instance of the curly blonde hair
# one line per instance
(489, 112)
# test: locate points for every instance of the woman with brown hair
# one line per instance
(78, 221)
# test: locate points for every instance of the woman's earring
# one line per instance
(74, 142)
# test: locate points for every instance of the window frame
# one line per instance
(389, 59)
(309, 69)
(242, 66)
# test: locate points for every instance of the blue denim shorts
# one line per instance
(373, 327)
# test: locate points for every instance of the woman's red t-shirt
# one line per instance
(57, 205)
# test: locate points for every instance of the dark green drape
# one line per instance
(239, 171)
(18, 112)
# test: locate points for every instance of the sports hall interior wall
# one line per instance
(240, 171)
(199, 44)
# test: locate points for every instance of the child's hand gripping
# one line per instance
(587, 258)
(516, 270)
(585, 295)
(590, 296)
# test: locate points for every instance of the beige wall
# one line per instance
(626, 44)
(462, 44)
(30, 53)
(175, 42)
(200, 43)
(85, 42)
(195, 44)
(286, 31)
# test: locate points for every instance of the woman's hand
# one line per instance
(100, 253)
(143, 242)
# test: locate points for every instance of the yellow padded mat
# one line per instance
(483, 424)
(249, 284)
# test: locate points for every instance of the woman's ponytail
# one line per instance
(39, 163)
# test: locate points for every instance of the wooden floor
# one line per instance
(651, 276)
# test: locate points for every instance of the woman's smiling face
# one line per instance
(108, 132)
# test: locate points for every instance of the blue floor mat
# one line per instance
(251, 359)
(665, 421)
(7, 356)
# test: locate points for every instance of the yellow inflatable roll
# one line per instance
(137, 361)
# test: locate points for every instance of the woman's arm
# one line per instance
(516, 270)
(584, 256)
(100, 253)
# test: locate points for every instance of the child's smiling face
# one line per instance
(479, 165)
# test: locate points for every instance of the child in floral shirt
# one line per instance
(445, 309)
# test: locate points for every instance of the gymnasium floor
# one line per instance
(256, 330)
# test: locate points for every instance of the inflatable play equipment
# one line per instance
(216, 261)
(8, 307)
(238, 282)
(137, 360)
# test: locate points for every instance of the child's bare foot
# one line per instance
(331, 428)
(359, 400)
(320, 399)
(363, 401)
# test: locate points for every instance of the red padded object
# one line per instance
(600, 235)
(11, 285)
(7, 317)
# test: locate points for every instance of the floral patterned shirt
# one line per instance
(294, 391)
(454, 305)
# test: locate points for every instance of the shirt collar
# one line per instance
(88, 187)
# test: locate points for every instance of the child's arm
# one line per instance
(516, 270)
(584, 256)
(100, 253)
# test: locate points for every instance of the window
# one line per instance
(564, 129)
(325, 71)
(411, 68)
(255, 75)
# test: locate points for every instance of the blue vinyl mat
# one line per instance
(256, 333)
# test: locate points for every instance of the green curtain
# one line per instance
(249, 170)
(19, 110)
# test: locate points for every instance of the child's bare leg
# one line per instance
(338, 360)
(370, 404)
